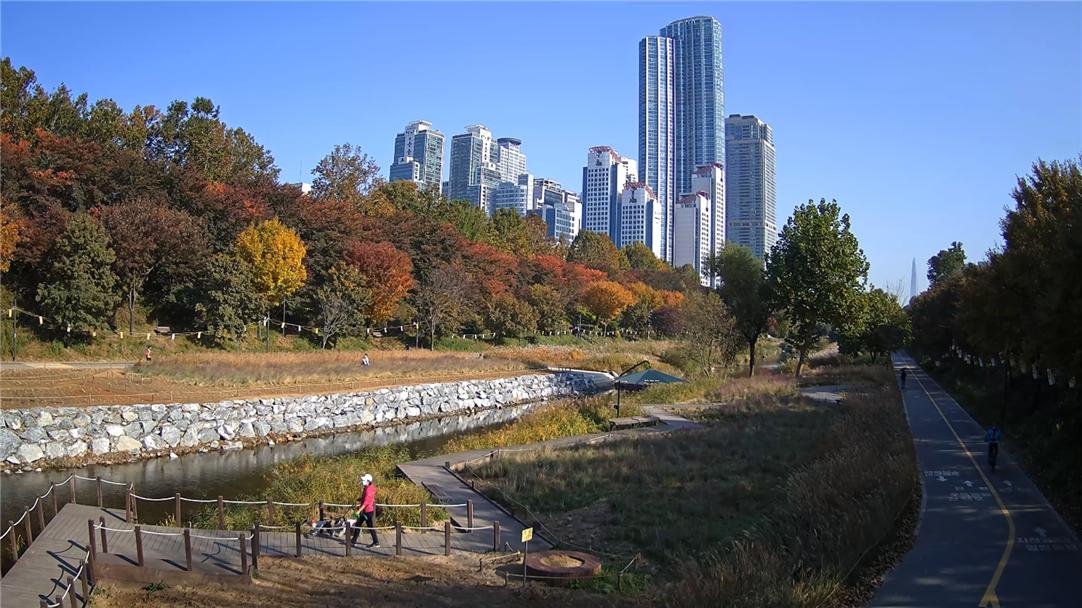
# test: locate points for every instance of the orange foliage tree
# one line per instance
(388, 274)
(606, 299)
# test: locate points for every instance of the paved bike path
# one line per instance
(984, 538)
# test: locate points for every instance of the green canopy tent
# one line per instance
(645, 378)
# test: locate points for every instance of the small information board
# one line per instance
(527, 534)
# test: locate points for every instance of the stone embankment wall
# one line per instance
(30, 438)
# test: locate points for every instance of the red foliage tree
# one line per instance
(388, 273)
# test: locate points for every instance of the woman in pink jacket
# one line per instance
(366, 511)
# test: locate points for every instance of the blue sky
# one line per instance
(917, 117)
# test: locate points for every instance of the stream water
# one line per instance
(233, 473)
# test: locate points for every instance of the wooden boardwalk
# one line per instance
(56, 553)
(41, 572)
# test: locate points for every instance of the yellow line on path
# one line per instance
(989, 599)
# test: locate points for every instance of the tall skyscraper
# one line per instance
(517, 195)
(913, 281)
(750, 194)
(710, 179)
(418, 155)
(509, 159)
(603, 179)
(692, 216)
(471, 154)
(681, 109)
(640, 217)
(656, 122)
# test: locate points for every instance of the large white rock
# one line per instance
(100, 445)
(29, 452)
(77, 449)
(171, 435)
(114, 430)
(54, 449)
(127, 444)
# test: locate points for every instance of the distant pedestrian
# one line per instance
(993, 436)
(364, 360)
(366, 511)
(147, 353)
(905, 372)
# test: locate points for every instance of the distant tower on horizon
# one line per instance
(913, 281)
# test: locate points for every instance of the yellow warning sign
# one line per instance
(527, 534)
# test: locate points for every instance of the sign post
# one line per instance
(527, 536)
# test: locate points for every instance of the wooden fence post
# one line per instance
(221, 513)
(71, 592)
(322, 513)
(348, 538)
(71, 484)
(127, 507)
(397, 539)
(469, 515)
(139, 545)
(41, 515)
(446, 538)
(134, 505)
(298, 535)
(86, 586)
(270, 511)
(188, 549)
(495, 536)
(424, 514)
(101, 498)
(29, 528)
(92, 554)
(255, 546)
(243, 553)
(14, 545)
(56, 507)
(104, 542)
(176, 519)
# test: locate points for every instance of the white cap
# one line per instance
(366, 479)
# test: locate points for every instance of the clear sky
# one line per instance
(916, 117)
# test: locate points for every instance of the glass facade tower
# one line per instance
(418, 155)
(751, 196)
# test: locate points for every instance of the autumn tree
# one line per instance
(549, 305)
(596, 250)
(388, 275)
(10, 235)
(641, 257)
(510, 317)
(347, 174)
(79, 286)
(816, 271)
(708, 331)
(606, 299)
(275, 255)
(147, 235)
(744, 290)
(340, 303)
(947, 263)
(441, 301)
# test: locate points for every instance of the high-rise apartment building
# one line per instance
(656, 123)
(470, 152)
(640, 217)
(481, 165)
(517, 195)
(603, 179)
(418, 155)
(750, 194)
(692, 216)
(710, 179)
(560, 209)
(680, 97)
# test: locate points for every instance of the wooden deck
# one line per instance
(57, 552)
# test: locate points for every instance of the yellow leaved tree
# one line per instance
(275, 255)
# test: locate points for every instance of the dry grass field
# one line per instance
(213, 376)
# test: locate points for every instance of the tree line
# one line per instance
(113, 219)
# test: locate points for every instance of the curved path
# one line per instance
(984, 538)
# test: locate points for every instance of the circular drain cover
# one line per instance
(560, 566)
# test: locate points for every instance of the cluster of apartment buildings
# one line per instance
(700, 178)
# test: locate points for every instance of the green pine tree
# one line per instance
(79, 288)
